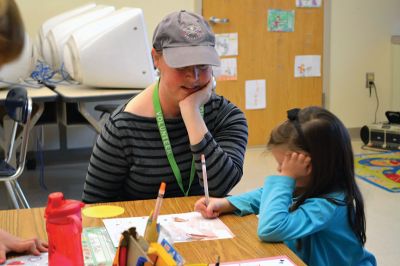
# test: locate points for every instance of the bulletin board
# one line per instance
(269, 51)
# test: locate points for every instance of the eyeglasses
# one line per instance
(191, 68)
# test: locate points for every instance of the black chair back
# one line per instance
(16, 104)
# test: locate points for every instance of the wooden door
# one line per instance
(269, 55)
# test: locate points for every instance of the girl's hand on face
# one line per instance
(296, 165)
(215, 207)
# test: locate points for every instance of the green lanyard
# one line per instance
(167, 144)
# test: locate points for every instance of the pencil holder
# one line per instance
(152, 231)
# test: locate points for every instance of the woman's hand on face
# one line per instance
(198, 98)
(215, 207)
(296, 165)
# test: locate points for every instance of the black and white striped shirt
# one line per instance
(128, 161)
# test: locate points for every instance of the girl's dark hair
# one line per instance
(11, 31)
(323, 136)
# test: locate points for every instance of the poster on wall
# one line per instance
(308, 3)
(256, 96)
(227, 70)
(280, 20)
(307, 66)
(226, 44)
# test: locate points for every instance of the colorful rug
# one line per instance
(380, 169)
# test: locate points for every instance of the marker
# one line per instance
(141, 261)
(123, 246)
(161, 193)
(205, 182)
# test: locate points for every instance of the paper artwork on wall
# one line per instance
(280, 20)
(308, 3)
(226, 44)
(227, 70)
(256, 96)
(307, 66)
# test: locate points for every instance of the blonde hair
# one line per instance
(11, 31)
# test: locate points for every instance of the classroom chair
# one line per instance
(18, 107)
(105, 109)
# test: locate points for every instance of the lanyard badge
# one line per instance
(167, 144)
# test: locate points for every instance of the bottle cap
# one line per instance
(58, 207)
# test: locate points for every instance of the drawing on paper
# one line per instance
(181, 227)
(307, 66)
(280, 20)
(227, 70)
(308, 3)
(226, 44)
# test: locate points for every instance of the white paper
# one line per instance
(255, 94)
(271, 261)
(226, 44)
(308, 3)
(181, 227)
(227, 70)
(307, 66)
(41, 260)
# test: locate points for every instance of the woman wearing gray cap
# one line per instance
(160, 134)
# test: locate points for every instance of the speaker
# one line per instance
(364, 134)
(383, 136)
(393, 117)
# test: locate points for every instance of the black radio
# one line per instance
(384, 135)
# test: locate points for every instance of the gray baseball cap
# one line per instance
(185, 39)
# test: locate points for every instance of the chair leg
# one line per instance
(16, 195)
(20, 195)
(11, 193)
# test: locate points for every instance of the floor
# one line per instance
(382, 211)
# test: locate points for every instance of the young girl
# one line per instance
(313, 204)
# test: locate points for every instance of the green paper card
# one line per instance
(280, 20)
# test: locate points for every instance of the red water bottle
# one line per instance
(64, 229)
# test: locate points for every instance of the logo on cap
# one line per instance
(192, 32)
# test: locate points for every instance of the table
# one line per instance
(38, 95)
(245, 245)
(82, 94)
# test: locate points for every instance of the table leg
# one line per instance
(90, 118)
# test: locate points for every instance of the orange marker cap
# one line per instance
(162, 188)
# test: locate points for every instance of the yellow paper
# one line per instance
(103, 211)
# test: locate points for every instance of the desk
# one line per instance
(245, 245)
(38, 95)
(81, 94)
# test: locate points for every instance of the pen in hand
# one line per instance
(205, 182)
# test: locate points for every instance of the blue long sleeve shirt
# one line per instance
(327, 238)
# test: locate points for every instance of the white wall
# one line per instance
(35, 12)
(359, 42)
(396, 73)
